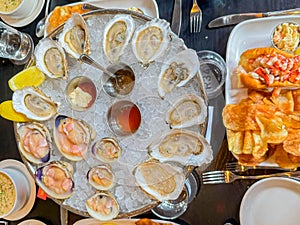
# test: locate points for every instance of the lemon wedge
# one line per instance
(31, 76)
(7, 112)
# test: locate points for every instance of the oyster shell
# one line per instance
(183, 146)
(34, 104)
(56, 179)
(102, 206)
(160, 180)
(107, 150)
(72, 137)
(177, 71)
(117, 34)
(75, 37)
(187, 111)
(151, 40)
(34, 142)
(101, 177)
(51, 59)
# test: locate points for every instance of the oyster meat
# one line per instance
(102, 206)
(101, 177)
(177, 71)
(183, 146)
(160, 180)
(107, 150)
(187, 111)
(34, 104)
(75, 36)
(51, 59)
(34, 142)
(151, 40)
(72, 137)
(56, 179)
(117, 34)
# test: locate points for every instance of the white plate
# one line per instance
(115, 222)
(273, 201)
(32, 190)
(23, 22)
(149, 7)
(248, 34)
(31, 222)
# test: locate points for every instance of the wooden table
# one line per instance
(214, 203)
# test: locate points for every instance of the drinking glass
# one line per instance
(15, 45)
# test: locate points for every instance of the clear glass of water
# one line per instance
(15, 45)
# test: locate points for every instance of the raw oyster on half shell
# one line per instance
(117, 34)
(187, 111)
(107, 150)
(56, 179)
(34, 142)
(72, 137)
(101, 177)
(160, 180)
(177, 71)
(151, 40)
(75, 36)
(51, 59)
(102, 206)
(183, 146)
(34, 104)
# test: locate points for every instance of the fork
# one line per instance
(195, 18)
(236, 167)
(220, 177)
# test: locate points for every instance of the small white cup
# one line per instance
(21, 11)
(20, 185)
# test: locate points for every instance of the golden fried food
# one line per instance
(146, 221)
(235, 141)
(292, 143)
(249, 160)
(260, 147)
(284, 159)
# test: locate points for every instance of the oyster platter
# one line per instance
(112, 156)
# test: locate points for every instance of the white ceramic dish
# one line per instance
(114, 222)
(273, 201)
(31, 222)
(249, 34)
(27, 20)
(149, 7)
(32, 190)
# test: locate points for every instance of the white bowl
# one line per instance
(21, 11)
(20, 186)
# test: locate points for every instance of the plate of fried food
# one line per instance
(262, 115)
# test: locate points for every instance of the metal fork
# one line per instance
(195, 18)
(219, 177)
(236, 167)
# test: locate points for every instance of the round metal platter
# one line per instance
(132, 200)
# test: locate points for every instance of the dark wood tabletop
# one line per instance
(215, 203)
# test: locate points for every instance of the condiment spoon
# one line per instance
(40, 27)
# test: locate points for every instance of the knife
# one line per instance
(237, 18)
(176, 18)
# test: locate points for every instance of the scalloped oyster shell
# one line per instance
(102, 206)
(162, 181)
(34, 104)
(117, 34)
(75, 36)
(183, 146)
(187, 111)
(177, 71)
(72, 137)
(101, 177)
(107, 150)
(51, 59)
(56, 179)
(151, 40)
(34, 142)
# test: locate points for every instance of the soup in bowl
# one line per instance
(16, 8)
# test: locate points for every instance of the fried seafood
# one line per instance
(146, 221)
(264, 123)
